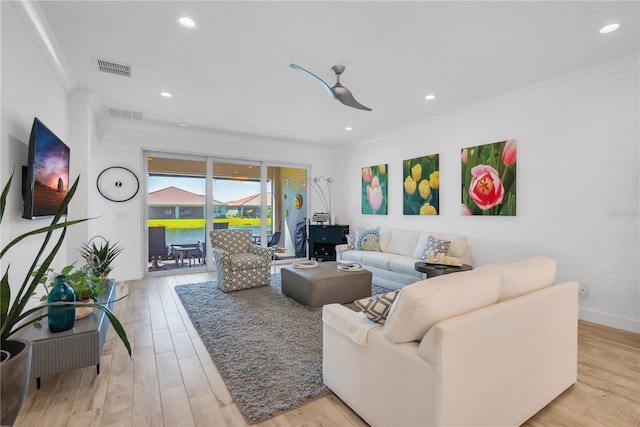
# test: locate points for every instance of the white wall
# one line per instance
(30, 89)
(122, 143)
(577, 180)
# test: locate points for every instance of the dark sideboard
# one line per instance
(323, 240)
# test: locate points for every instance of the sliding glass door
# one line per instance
(237, 198)
(189, 195)
(291, 211)
(176, 213)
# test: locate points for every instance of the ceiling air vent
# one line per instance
(113, 67)
(125, 114)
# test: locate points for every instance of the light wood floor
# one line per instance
(172, 381)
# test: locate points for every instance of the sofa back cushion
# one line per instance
(420, 306)
(402, 242)
(526, 276)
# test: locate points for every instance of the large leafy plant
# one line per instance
(14, 315)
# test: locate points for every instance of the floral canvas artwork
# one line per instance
(489, 179)
(374, 190)
(421, 186)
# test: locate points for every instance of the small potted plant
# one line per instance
(100, 258)
(86, 286)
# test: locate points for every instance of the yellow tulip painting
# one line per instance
(421, 186)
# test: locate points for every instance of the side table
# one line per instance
(81, 346)
(434, 270)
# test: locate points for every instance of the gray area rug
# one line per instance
(266, 346)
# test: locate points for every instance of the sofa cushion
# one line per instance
(526, 276)
(425, 303)
(402, 242)
(385, 236)
(377, 307)
(368, 239)
(353, 256)
(404, 265)
(378, 259)
(437, 246)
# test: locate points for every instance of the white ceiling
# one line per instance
(232, 73)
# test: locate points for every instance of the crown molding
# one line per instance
(36, 22)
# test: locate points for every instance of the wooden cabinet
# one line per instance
(323, 240)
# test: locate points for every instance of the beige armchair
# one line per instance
(239, 263)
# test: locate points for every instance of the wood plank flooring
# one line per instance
(171, 380)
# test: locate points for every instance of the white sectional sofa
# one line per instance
(393, 266)
(488, 347)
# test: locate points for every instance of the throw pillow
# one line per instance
(436, 245)
(351, 242)
(368, 239)
(376, 308)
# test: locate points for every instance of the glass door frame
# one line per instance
(145, 211)
(208, 211)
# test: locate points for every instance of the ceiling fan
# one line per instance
(338, 91)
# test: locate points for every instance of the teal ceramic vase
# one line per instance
(62, 320)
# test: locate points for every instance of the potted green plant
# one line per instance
(100, 257)
(86, 286)
(15, 358)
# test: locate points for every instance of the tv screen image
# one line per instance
(47, 180)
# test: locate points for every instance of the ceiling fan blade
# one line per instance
(345, 96)
(318, 79)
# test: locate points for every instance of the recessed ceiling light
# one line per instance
(186, 21)
(348, 128)
(166, 94)
(609, 28)
(183, 124)
(430, 97)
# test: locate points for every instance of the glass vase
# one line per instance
(64, 319)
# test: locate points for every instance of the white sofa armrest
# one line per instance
(343, 247)
(352, 324)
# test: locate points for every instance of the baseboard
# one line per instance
(608, 319)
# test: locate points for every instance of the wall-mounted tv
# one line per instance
(46, 176)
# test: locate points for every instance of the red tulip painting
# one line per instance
(489, 179)
(421, 186)
(374, 190)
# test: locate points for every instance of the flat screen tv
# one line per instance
(46, 176)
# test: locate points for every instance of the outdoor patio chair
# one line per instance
(239, 263)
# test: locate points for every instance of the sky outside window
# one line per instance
(223, 190)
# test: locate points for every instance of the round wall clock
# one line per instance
(117, 184)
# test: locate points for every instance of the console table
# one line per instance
(81, 346)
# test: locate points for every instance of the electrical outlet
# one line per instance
(584, 290)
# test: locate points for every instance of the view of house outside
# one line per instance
(177, 204)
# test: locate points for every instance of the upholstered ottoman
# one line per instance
(325, 284)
